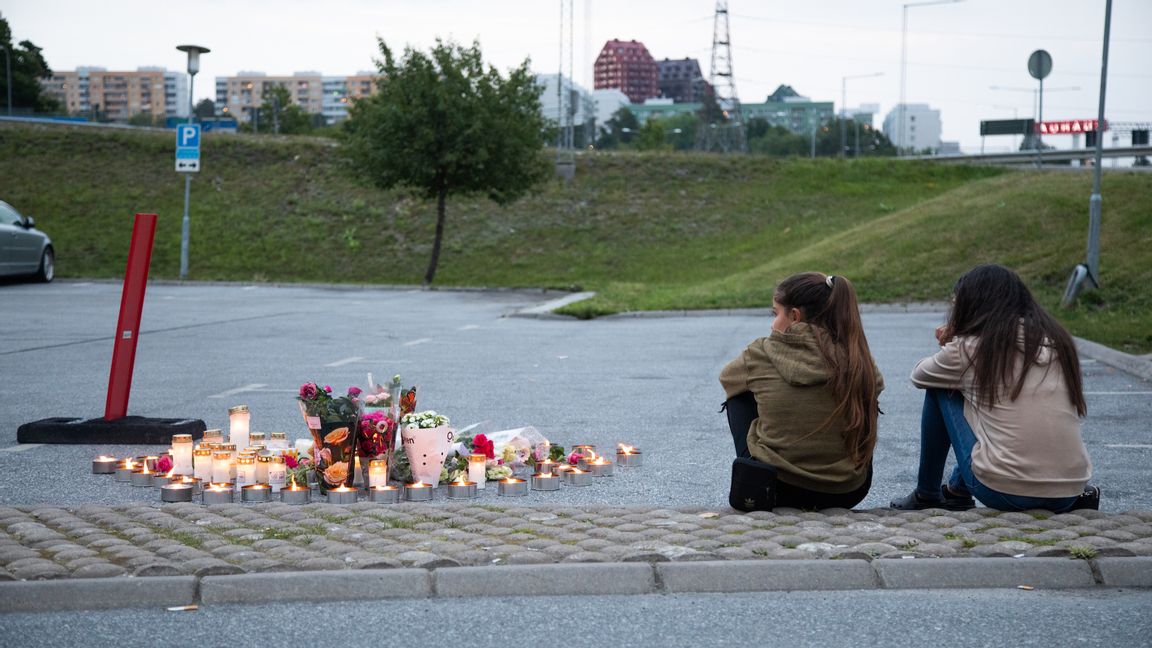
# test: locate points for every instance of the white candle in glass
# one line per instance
(277, 473)
(477, 469)
(278, 441)
(238, 419)
(182, 454)
(245, 471)
(377, 473)
(222, 467)
(202, 464)
(262, 463)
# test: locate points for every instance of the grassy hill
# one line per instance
(652, 231)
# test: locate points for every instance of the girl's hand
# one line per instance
(943, 334)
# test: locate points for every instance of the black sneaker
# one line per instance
(1089, 499)
(914, 501)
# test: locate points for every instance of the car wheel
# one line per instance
(47, 271)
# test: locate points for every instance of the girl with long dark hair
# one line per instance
(802, 403)
(1005, 394)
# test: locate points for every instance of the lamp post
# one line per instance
(194, 52)
(844, 107)
(8, 76)
(904, 59)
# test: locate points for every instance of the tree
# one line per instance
(443, 123)
(28, 67)
(775, 140)
(619, 129)
(279, 114)
(206, 109)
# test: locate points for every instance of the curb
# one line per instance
(577, 579)
(1139, 366)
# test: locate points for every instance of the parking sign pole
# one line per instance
(185, 227)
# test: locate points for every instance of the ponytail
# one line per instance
(829, 304)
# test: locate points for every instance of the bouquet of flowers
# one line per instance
(319, 404)
(377, 434)
(334, 423)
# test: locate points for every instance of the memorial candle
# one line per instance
(202, 464)
(511, 487)
(377, 473)
(263, 462)
(182, 453)
(295, 493)
(461, 489)
(222, 467)
(277, 473)
(342, 495)
(418, 492)
(245, 472)
(104, 465)
(278, 442)
(218, 494)
(124, 470)
(478, 469)
(238, 419)
(214, 435)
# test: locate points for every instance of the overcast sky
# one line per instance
(955, 51)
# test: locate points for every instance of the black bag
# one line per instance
(753, 485)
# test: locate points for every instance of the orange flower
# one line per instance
(336, 473)
(336, 436)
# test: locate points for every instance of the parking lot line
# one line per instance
(415, 342)
(1118, 393)
(239, 390)
(21, 448)
(341, 363)
(1129, 446)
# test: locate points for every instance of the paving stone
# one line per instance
(585, 557)
(873, 548)
(318, 563)
(263, 565)
(1096, 541)
(98, 570)
(209, 567)
(157, 569)
(11, 554)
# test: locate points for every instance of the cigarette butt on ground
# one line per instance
(1025, 587)
(184, 608)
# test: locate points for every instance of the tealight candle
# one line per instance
(377, 473)
(202, 463)
(585, 450)
(628, 456)
(245, 472)
(342, 495)
(277, 473)
(142, 477)
(601, 467)
(546, 466)
(461, 489)
(124, 470)
(195, 482)
(255, 493)
(278, 442)
(357, 473)
(512, 487)
(149, 461)
(238, 419)
(104, 465)
(585, 462)
(384, 494)
(262, 464)
(170, 477)
(478, 469)
(577, 477)
(222, 467)
(418, 492)
(295, 493)
(182, 453)
(218, 493)
(545, 481)
(176, 492)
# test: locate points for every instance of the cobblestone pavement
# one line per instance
(46, 542)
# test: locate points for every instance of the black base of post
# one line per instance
(136, 430)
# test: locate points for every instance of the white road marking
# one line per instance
(82, 284)
(468, 327)
(1117, 393)
(249, 288)
(21, 448)
(1130, 446)
(341, 363)
(239, 390)
(415, 342)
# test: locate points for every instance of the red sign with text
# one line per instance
(1069, 127)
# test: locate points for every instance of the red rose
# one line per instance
(481, 444)
(290, 461)
(164, 464)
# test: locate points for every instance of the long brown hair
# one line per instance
(992, 304)
(828, 303)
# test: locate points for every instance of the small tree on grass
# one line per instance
(445, 124)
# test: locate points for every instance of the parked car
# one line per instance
(24, 250)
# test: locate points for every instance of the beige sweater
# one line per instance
(789, 377)
(1029, 447)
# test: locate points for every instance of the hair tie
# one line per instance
(829, 279)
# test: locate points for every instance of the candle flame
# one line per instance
(627, 449)
(418, 484)
(170, 473)
(342, 489)
(129, 464)
(105, 458)
(216, 487)
(577, 471)
(592, 456)
(600, 461)
(512, 480)
(461, 481)
(293, 486)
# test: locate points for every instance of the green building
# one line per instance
(785, 107)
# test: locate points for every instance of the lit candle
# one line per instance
(216, 493)
(238, 419)
(418, 492)
(585, 450)
(182, 453)
(149, 461)
(195, 482)
(277, 473)
(255, 493)
(512, 487)
(628, 456)
(478, 469)
(384, 494)
(461, 489)
(577, 477)
(342, 495)
(357, 473)
(142, 477)
(104, 465)
(546, 466)
(263, 462)
(257, 438)
(222, 467)
(295, 493)
(176, 492)
(586, 460)
(278, 442)
(601, 467)
(545, 481)
(230, 448)
(377, 473)
(202, 463)
(245, 472)
(214, 435)
(124, 470)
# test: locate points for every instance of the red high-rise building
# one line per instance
(628, 67)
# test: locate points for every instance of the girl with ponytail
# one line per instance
(802, 403)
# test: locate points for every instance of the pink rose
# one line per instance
(328, 388)
(353, 391)
(308, 391)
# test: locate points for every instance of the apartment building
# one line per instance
(119, 95)
(681, 81)
(329, 96)
(628, 67)
(921, 131)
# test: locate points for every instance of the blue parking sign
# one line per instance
(188, 148)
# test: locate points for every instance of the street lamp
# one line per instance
(844, 107)
(194, 52)
(8, 76)
(904, 58)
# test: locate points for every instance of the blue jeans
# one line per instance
(943, 426)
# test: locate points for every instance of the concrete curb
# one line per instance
(1139, 366)
(578, 579)
(544, 311)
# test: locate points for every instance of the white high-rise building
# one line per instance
(921, 131)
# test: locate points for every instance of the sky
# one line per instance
(956, 52)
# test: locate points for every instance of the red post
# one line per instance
(128, 324)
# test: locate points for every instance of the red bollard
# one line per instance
(128, 325)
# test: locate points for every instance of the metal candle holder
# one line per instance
(604, 469)
(577, 477)
(545, 482)
(224, 495)
(546, 466)
(195, 482)
(384, 494)
(337, 496)
(176, 493)
(584, 450)
(298, 495)
(104, 465)
(630, 460)
(418, 494)
(141, 478)
(462, 490)
(255, 493)
(124, 474)
(512, 487)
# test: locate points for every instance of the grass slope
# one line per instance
(646, 231)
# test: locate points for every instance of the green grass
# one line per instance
(646, 231)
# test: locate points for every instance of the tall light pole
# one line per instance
(8, 76)
(844, 106)
(194, 52)
(904, 60)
